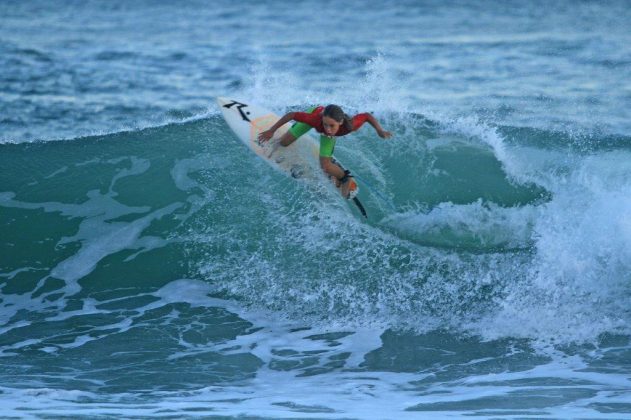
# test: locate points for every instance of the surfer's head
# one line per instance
(332, 118)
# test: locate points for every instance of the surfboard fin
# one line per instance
(360, 206)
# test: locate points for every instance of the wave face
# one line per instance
(151, 264)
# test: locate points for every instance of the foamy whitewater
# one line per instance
(152, 266)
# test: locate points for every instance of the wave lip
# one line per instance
(475, 226)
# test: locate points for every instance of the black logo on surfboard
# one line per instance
(240, 107)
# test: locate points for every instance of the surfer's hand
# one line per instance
(384, 134)
(265, 135)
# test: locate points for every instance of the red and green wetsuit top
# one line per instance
(305, 121)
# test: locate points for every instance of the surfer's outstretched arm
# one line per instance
(380, 131)
(268, 134)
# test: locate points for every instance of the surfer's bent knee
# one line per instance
(295, 132)
(287, 139)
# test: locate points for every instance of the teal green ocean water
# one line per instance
(152, 266)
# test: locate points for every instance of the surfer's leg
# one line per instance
(327, 145)
(290, 136)
(339, 176)
(331, 168)
(287, 138)
(294, 133)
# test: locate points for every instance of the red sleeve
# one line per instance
(311, 118)
(359, 120)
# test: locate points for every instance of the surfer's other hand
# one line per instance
(265, 135)
(384, 134)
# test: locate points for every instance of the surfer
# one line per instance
(330, 122)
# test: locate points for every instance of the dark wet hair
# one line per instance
(335, 112)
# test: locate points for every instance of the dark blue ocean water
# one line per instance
(150, 265)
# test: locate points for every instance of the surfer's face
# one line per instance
(330, 126)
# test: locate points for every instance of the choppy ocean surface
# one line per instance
(150, 265)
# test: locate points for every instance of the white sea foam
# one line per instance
(548, 389)
(474, 225)
(300, 267)
(577, 285)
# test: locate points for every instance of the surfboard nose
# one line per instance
(221, 101)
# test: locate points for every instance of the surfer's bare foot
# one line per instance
(348, 188)
(345, 188)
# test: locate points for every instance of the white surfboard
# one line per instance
(299, 160)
